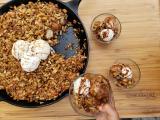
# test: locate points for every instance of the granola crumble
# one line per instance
(54, 75)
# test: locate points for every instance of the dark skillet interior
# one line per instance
(83, 42)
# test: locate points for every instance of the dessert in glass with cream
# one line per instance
(125, 73)
(105, 27)
(88, 92)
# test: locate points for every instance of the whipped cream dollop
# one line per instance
(107, 35)
(39, 48)
(49, 34)
(84, 89)
(29, 63)
(127, 72)
(31, 54)
(19, 48)
(77, 84)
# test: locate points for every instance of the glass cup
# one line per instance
(88, 92)
(125, 73)
(105, 28)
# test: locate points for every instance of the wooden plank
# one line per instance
(139, 40)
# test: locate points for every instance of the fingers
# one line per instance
(109, 110)
(106, 108)
(101, 116)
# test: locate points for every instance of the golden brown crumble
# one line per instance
(54, 75)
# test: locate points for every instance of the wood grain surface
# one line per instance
(139, 41)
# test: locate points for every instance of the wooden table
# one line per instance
(139, 40)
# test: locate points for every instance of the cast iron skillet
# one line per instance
(72, 8)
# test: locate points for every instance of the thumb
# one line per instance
(108, 109)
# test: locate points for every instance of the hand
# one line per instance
(107, 112)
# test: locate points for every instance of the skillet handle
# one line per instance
(1, 99)
(1, 94)
(73, 4)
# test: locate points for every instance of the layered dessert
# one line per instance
(89, 92)
(105, 30)
(122, 74)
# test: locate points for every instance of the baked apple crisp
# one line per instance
(54, 75)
